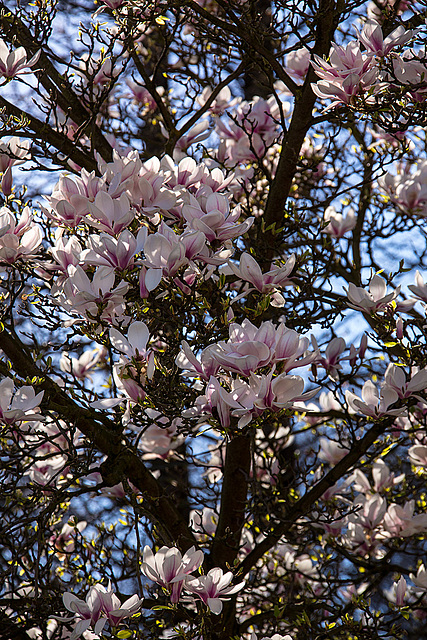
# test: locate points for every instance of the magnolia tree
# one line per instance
(213, 363)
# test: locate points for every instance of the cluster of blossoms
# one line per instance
(407, 189)
(101, 606)
(357, 71)
(171, 570)
(248, 349)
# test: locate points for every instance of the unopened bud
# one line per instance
(6, 182)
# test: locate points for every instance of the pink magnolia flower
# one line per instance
(331, 451)
(265, 283)
(420, 580)
(220, 104)
(400, 521)
(372, 301)
(204, 367)
(420, 288)
(396, 379)
(298, 63)
(18, 239)
(213, 588)
(338, 224)
(373, 40)
(136, 362)
(14, 63)
(81, 367)
(399, 593)
(101, 606)
(167, 251)
(408, 188)
(64, 541)
(113, 252)
(169, 568)
(12, 152)
(23, 405)
(418, 455)
(110, 215)
(280, 392)
(221, 403)
(373, 404)
(214, 219)
(90, 298)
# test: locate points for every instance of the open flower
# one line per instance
(213, 588)
(374, 300)
(169, 568)
(13, 63)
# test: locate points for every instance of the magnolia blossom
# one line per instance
(374, 404)
(18, 238)
(396, 379)
(420, 580)
(407, 189)
(80, 367)
(113, 252)
(213, 588)
(12, 152)
(22, 406)
(101, 606)
(338, 225)
(136, 362)
(419, 289)
(14, 63)
(170, 569)
(91, 298)
(266, 283)
(374, 300)
(298, 63)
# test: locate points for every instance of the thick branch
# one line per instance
(328, 16)
(233, 502)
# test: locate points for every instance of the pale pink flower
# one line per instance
(420, 288)
(373, 40)
(90, 298)
(418, 455)
(420, 580)
(266, 283)
(110, 215)
(113, 252)
(298, 63)
(213, 588)
(14, 63)
(204, 367)
(399, 593)
(372, 301)
(19, 239)
(221, 102)
(222, 403)
(214, 219)
(169, 568)
(280, 392)
(101, 606)
(13, 152)
(22, 405)
(338, 224)
(136, 362)
(395, 378)
(372, 403)
(401, 522)
(82, 366)
(331, 451)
